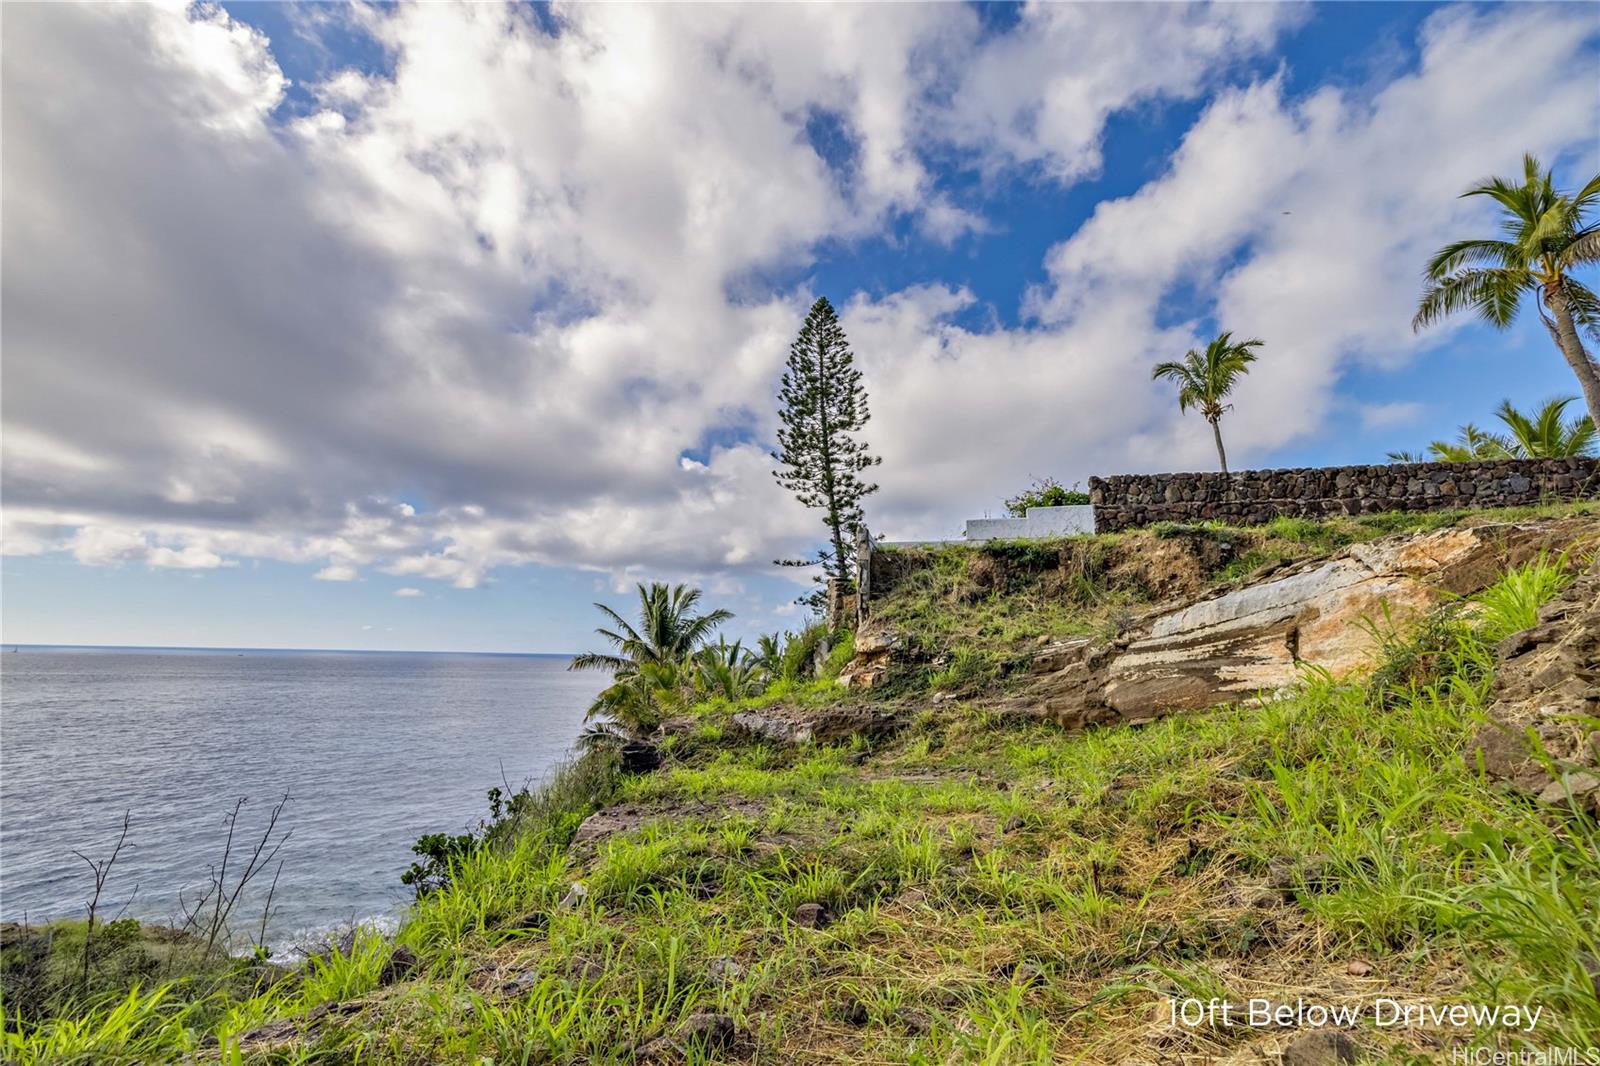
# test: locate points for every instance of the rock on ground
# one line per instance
(1321, 1047)
(626, 817)
(815, 725)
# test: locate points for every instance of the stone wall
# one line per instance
(1250, 497)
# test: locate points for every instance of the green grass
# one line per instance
(1513, 603)
(999, 892)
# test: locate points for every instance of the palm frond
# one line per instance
(1546, 433)
(595, 661)
(1587, 196)
(1496, 294)
(1583, 250)
(1454, 256)
(1585, 307)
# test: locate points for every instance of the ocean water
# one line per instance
(373, 749)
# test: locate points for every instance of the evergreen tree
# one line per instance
(824, 406)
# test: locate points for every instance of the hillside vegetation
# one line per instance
(973, 886)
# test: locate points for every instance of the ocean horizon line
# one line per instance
(8, 646)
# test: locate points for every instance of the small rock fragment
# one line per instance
(1027, 973)
(574, 897)
(725, 970)
(1591, 966)
(707, 1030)
(1580, 787)
(520, 983)
(699, 1032)
(1321, 1047)
(402, 961)
(531, 920)
(585, 970)
(1312, 874)
(812, 915)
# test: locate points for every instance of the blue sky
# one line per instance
(422, 328)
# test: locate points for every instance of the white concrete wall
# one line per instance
(1041, 523)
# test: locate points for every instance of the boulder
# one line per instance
(815, 725)
(640, 757)
(875, 649)
(402, 961)
(626, 817)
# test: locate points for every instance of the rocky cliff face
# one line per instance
(1547, 688)
(1256, 637)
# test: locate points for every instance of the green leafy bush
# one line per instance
(1045, 492)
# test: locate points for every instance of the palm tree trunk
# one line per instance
(1216, 431)
(1565, 332)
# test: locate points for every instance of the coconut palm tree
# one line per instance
(1470, 443)
(633, 705)
(669, 631)
(1545, 236)
(1206, 378)
(768, 655)
(727, 670)
(648, 665)
(1543, 434)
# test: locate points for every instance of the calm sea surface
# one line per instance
(373, 749)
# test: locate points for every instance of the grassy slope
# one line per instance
(1003, 893)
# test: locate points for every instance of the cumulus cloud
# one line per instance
(1389, 415)
(498, 300)
(337, 572)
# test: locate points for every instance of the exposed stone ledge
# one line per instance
(1241, 642)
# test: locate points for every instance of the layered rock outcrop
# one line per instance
(1539, 739)
(1255, 638)
(1244, 641)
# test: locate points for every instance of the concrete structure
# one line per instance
(1040, 523)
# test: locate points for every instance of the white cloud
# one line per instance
(1390, 415)
(1041, 95)
(408, 593)
(472, 313)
